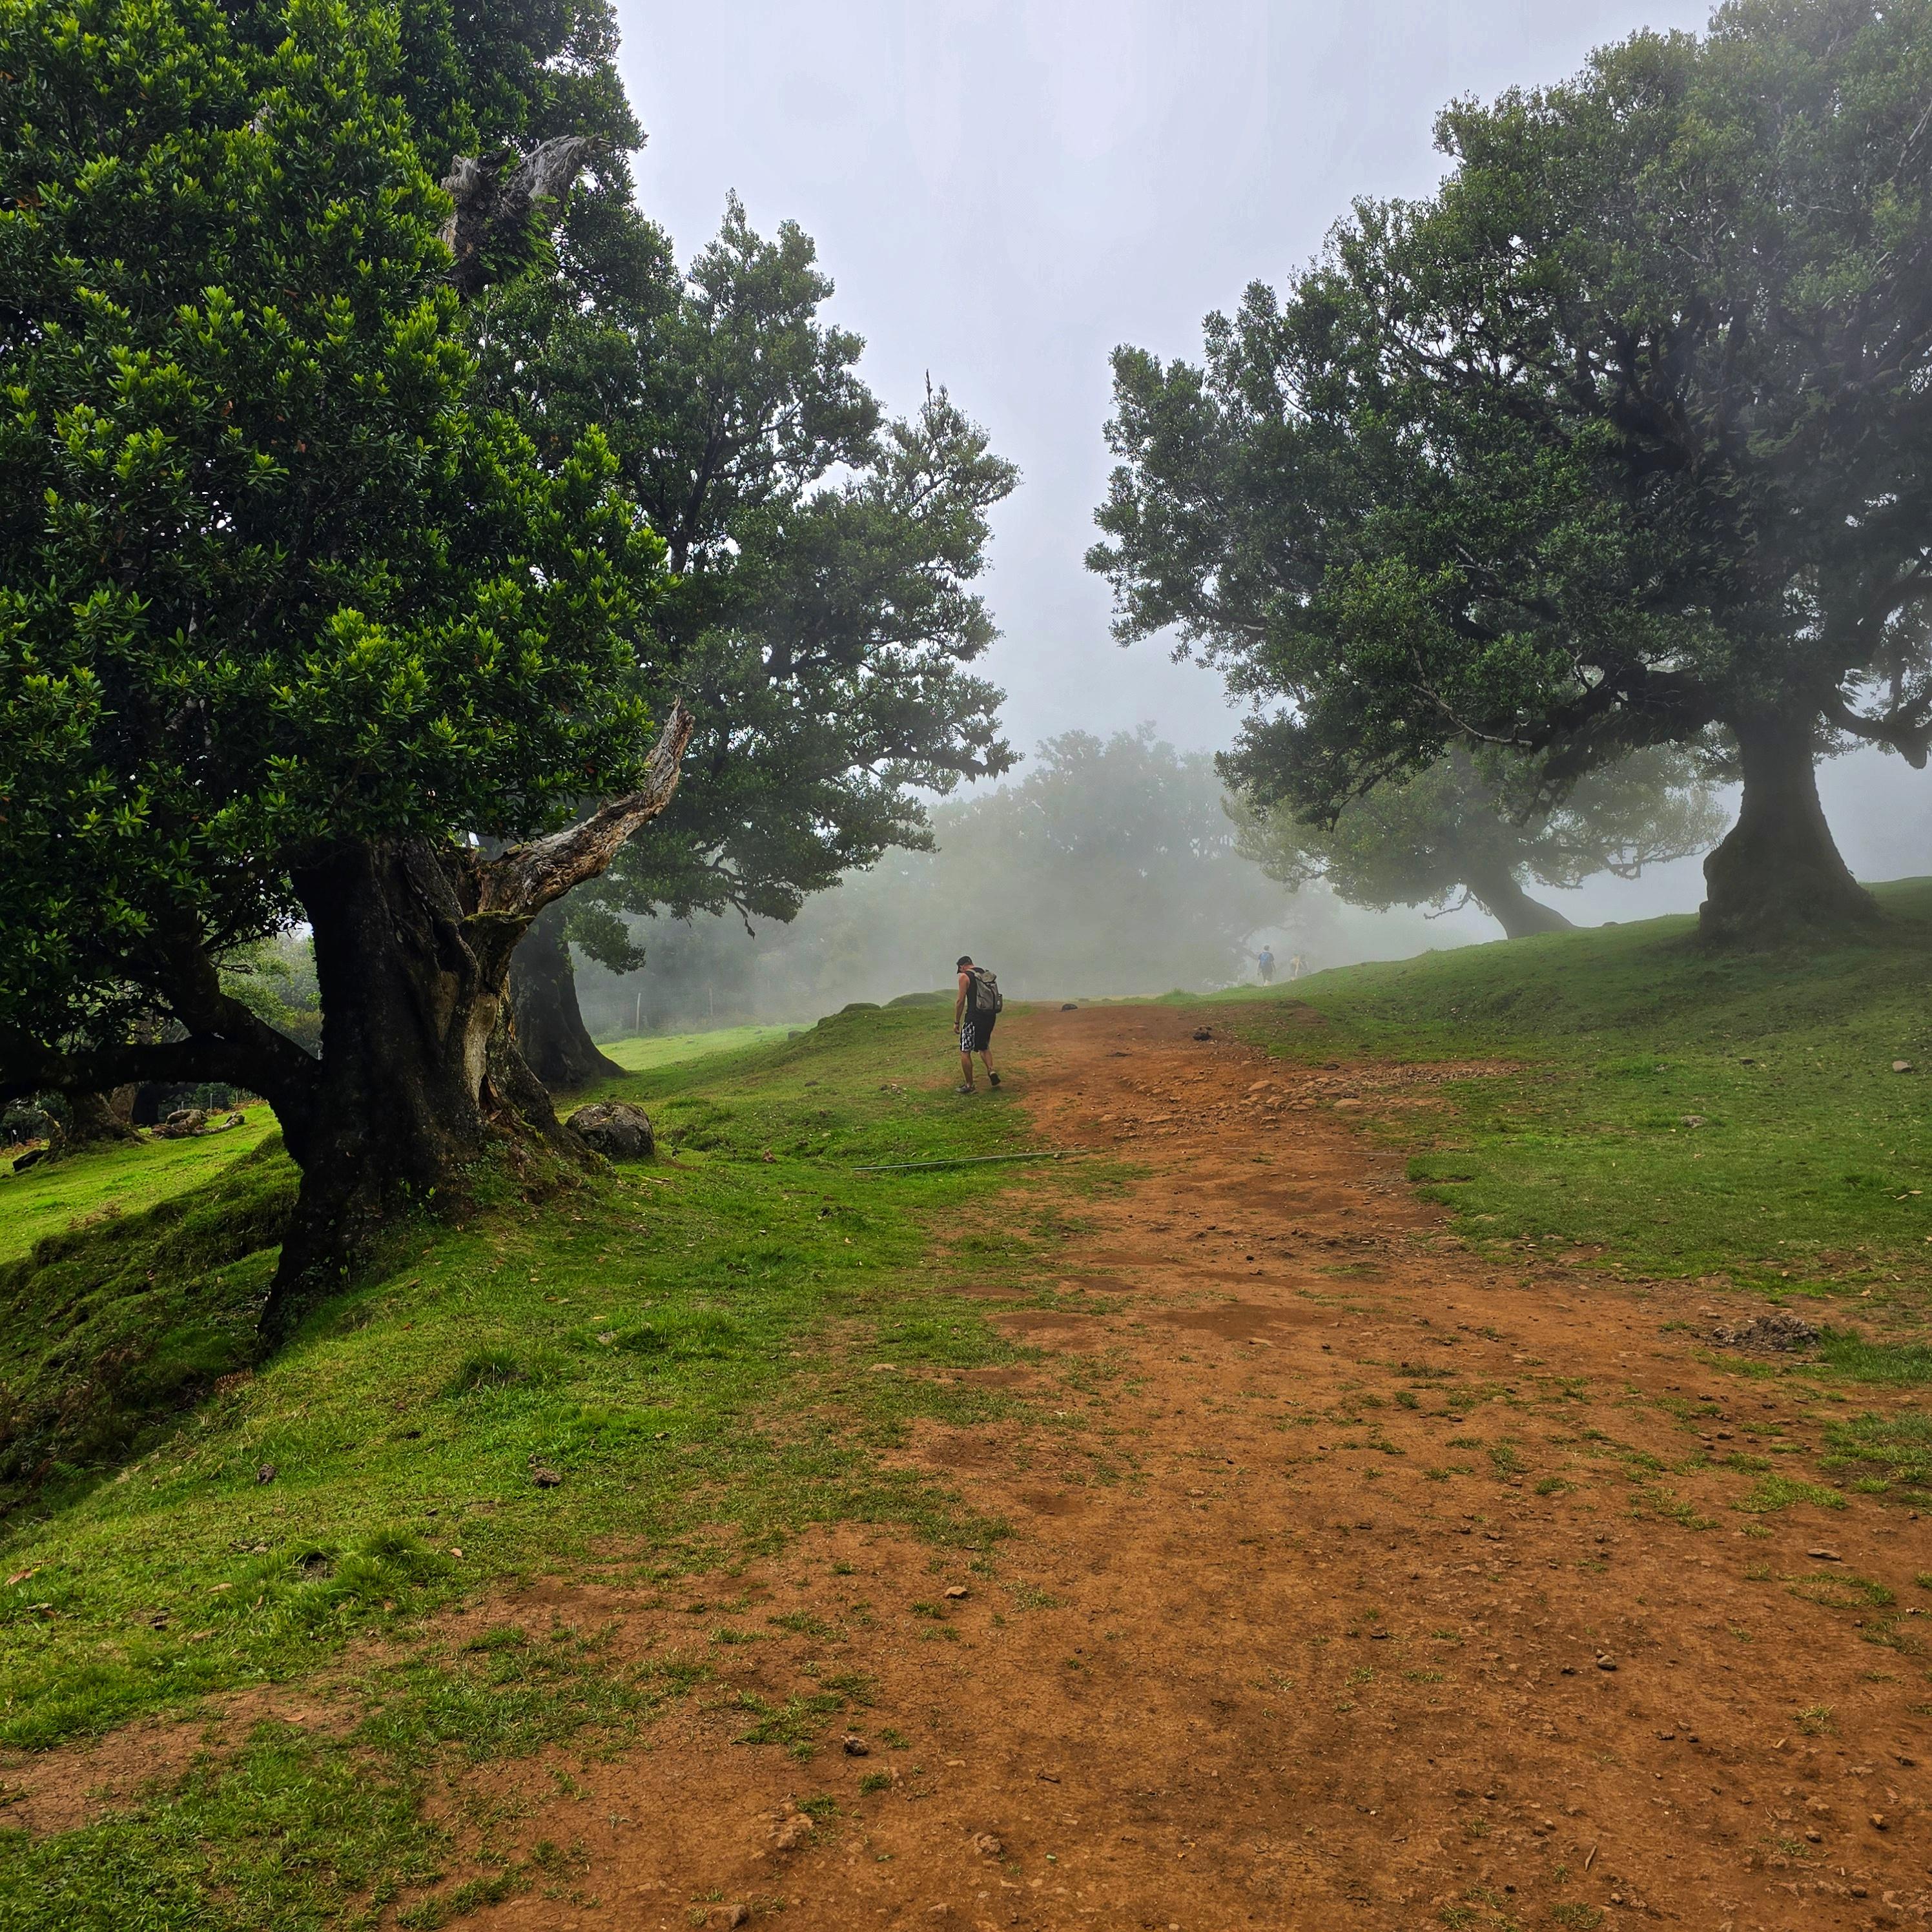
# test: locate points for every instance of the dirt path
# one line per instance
(1366, 1587)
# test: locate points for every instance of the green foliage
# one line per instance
(1614, 438)
(822, 614)
(270, 576)
(1471, 826)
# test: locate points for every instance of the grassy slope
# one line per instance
(646, 1054)
(674, 1340)
(738, 1295)
(50, 1199)
(1734, 1119)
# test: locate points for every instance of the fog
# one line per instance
(1006, 191)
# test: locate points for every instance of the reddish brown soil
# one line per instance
(1247, 1661)
(1279, 1639)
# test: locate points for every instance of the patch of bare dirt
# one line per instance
(1356, 1584)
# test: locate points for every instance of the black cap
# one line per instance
(964, 959)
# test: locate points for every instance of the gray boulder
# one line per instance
(617, 1130)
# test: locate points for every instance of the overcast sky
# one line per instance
(1004, 189)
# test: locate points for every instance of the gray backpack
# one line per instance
(987, 998)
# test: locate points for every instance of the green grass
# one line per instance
(300, 1827)
(59, 1196)
(1687, 1113)
(643, 1053)
(694, 1345)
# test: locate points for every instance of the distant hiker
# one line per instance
(1296, 966)
(974, 1012)
(1264, 961)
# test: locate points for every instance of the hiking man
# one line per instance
(974, 1013)
(1265, 960)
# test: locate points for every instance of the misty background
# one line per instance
(1004, 191)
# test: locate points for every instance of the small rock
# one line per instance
(793, 1832)
(856, 1746)
(940, 1911)
(988, 1847)
(1825, 1555)
(1048, 1777)
(1203, 1032)
(545, 1478)
(740, 1914)
(1693, 1120)
(182, 1124)
(266, 1473)
(1878, 1821)
(958, 1591)
(617, 1130)
(1777, 1329)
(1901, 1067)
(1607, 1663)
(1068, 1007)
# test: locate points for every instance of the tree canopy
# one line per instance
(1621, 436)
(289, 616)
(1474, 825)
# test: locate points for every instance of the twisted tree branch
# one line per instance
(524, 880)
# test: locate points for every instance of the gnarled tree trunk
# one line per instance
(1778, 874)
(1520, 915)
(420, 1079)
(100, 1120)
(550, 1031)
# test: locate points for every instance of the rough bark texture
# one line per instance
(419, 1076)
(1778, 874)
(98, 1120)
(550, 1032)
(495, 198)
(1520, 915)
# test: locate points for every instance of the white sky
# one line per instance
(1004, 189)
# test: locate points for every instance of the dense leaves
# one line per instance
(822, 617)
(270, 578)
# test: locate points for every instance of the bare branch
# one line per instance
(1909, 736)
(493, 207)
(526, 878)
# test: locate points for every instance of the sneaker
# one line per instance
(966, 1090)
(993, 1078)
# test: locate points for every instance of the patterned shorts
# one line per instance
(976, 1032)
